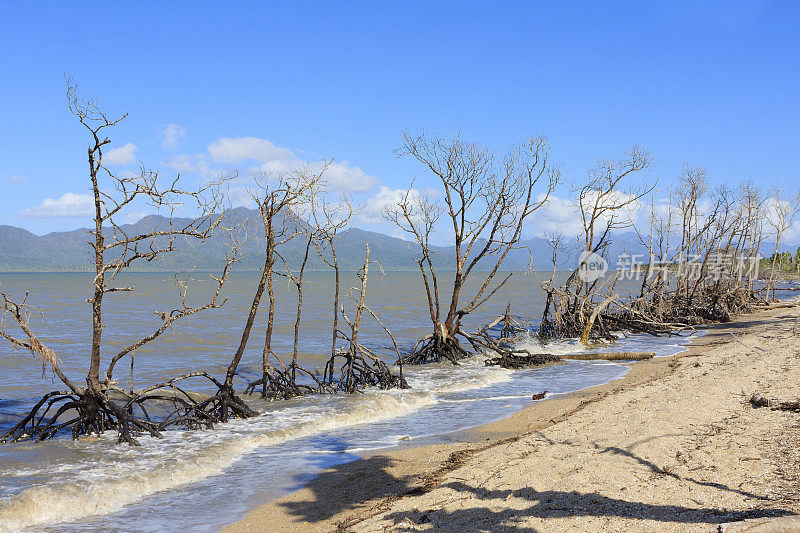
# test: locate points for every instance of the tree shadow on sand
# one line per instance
(658, 470)
(349, 487)
(368, 487)
(560, 504)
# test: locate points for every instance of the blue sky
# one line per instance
(247, 84)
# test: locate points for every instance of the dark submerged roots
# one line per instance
(358, 368)
(347, 371)
(150, 411)
(522, 359)
(435, 348)
(280, 384)
(443, 347)
(503, 346)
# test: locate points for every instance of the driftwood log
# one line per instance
(759, 400)
(522, 359)
(612, 356)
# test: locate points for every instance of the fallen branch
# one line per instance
(522, 359)
(612, 356)
(759, 400)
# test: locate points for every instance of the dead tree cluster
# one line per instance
(276, 196)
(579, 307)
(356, 366)
(481, 209)
(297, 206)
(702, 263)
(710, 274)
(292, 205)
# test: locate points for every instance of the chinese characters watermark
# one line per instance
(715, 266)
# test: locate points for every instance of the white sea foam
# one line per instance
(471, 373)
(120, 475)
(109, 485)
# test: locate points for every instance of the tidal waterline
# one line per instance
(205, 479)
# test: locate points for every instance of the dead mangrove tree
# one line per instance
(100, 403)
(485, 201)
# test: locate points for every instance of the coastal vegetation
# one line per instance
(701, 265)
(101, 403)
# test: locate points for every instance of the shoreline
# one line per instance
(355, 495)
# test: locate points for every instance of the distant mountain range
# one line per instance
(23, 251)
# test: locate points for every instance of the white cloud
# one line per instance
(19, 178)
(557, 215)
(661, 208)
(340, 176)
(667, 212)
(384, 199)
(198, 164)
(433, 194)
(348, 178)
(240, 197)
(120, 156)
(172, 136)
(236, 150)
(69, 205)
(792, 235)
(562, 215)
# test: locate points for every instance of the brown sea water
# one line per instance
(182, 480)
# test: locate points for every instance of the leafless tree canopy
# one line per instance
(484, 204)
(604, 204)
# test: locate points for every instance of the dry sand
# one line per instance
(673, 446)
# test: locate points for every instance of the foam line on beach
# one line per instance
(89, 496)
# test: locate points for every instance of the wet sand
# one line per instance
(673, 446)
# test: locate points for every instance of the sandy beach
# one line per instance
(673, 446)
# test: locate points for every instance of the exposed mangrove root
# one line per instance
(512, 326)
(436, 348)
(666, 313)
(517, 359)
(84, 414)
(281, 384)
(443, 347)
(224, 405)
(503, 346)
(150, 411)
(704, 305)
(567, 315)
(357, 368)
